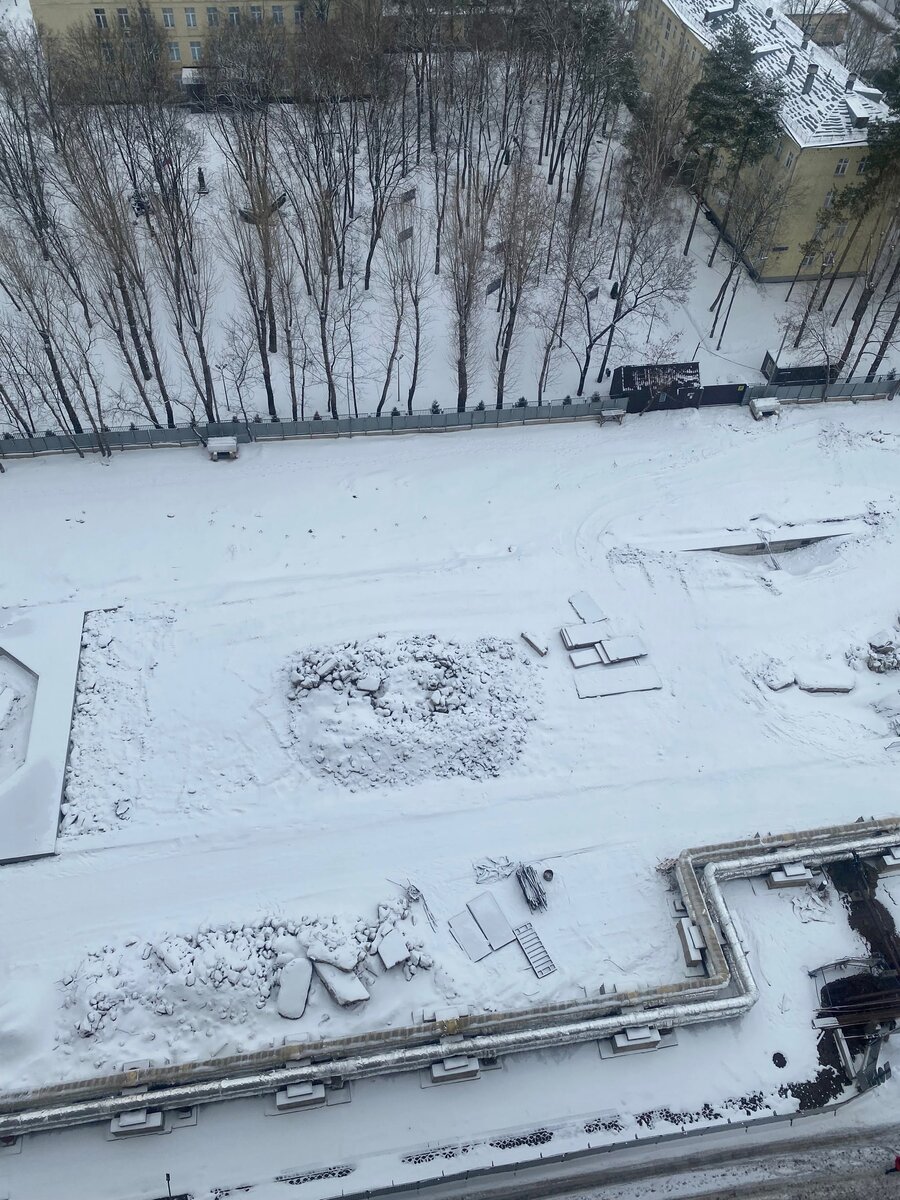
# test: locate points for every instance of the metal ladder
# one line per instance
(540, 961)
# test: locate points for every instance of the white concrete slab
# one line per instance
(490, 917)
(619, 649)
(47, 641)
(616, 679)
(587, 607)
(468, 934)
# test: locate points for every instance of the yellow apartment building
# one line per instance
(824, 117)
(184, 25)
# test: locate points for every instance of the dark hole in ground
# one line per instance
(856, 881)
(827, 1083)
(778, 1059)
(860, 1001)
(857, 1000)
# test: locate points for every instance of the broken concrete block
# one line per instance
(293, 990)
(392, 949)
(344, 987)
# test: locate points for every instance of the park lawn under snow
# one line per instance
(201, 831)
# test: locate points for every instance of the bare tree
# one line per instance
(465, 263)
(757, 204)
(523, 221)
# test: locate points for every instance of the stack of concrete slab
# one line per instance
(593, 644)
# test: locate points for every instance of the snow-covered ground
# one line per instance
(201, 834)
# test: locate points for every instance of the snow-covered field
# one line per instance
(204, 844)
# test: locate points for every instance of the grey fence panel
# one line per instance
(532, 413)
(270, 431)
(174, 437)
(326, 427)
(84, 441)
(405, 421)
(507, 416)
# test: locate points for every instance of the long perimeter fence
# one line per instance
(136, 437)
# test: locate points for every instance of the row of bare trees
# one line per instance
(363, 176)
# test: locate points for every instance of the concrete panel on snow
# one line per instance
(47, 643)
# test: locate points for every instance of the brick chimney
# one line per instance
(850, 84)
(812, 71)
(792, 62)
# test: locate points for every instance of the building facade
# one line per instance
(183, 25)
(824, 117)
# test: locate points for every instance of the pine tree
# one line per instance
(733, 114)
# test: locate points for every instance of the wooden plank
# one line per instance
(540, 647)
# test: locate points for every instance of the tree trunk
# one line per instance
(133, 326)
(462, 370)
(720, 233)
(326, 363)
(884, 344)
(417, 341)
(60, 384)
(858, 313)
(504, 352)
(392, 358)
(841, 261)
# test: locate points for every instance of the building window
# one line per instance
(277, 14)
(122, 14)
(100, 18)
(234, 16)
(807, 260)
(196, 51)
(212, 17)
(174, 52)
(841, 168)
(862, 166)
(668, 27)
(298, 14)
(190, 18)
(828, 260)
(776, 153)
(829, 199)
(840, 230)
(789, 161)
(168, 18)
(256, 13)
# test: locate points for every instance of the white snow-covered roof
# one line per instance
(834, 111)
